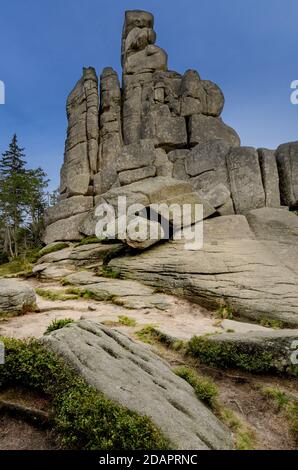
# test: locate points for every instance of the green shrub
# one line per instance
(106, 271)
(57, 324)
(224, 312)
(204, 388)
(84, 418)
(227, 354)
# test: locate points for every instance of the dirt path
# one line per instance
(182, 319)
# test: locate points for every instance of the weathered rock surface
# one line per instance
(130, 374)
(69, 207)
(64, 229)
(81, 146)
(287, 163)
(16, 297)
(130, 294)
(270, 177)
(203, 128)
(245, 178)
(233, 266)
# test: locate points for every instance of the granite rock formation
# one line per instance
(159, 123)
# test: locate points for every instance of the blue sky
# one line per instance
(248, 47)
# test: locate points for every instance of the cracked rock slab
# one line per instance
(250, 275)
(130, 374)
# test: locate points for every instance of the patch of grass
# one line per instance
(88, 241)
(127, 321)
(83, 417)
(285, 404)
(18, 266)
(271, 323)
(26, 309)
(55, 295)
(65, 282)
(58, 324)
(150, 335)
(106, 271)
(243, 435)
(205, 389)
(224, 312)
(52, 248)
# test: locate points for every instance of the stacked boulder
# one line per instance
(159, 124)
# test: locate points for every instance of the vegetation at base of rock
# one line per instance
(243, 435)
(150, 334)
(52, 248)
(127, 321)
(285, 404)
(88, 241)
(55, 295)
(21, 265)
(224, 312)
(58, 324)
(225, 354)
(271, 323)
(84, 418)
(106, 271)
(204, 388)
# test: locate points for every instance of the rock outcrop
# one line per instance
(130, 374)
(159, 123)
(158, 137)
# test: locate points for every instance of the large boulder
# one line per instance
(68, 207)
(203, 128)
(287, 163)
(130, 374)
(64, 229)
(16, 297)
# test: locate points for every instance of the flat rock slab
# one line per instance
(233, 266)
(129, 294)
(130, 374)
(16, 296)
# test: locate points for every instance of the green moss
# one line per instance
(204, 388)
(271, 323)
(55, 295)
(58, 324)
(52, 248)
(226, 354)
(127, 321)
(88, 241)
(243, 436)
(19, 266)
(84, 418)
